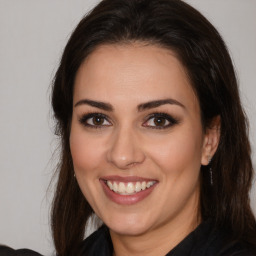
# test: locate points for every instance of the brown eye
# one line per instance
(98, 120)
(160, 121)
(95, 120)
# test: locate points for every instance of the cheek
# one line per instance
(86, 152)
(178, 152)
(87, 156)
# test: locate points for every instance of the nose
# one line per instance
(125, 150)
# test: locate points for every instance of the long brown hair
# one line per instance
(174, 25)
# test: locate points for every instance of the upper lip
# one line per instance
(126, 179)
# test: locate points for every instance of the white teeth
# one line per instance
(143, 185)
(121, 188)
(149, 184)
(138, 186)
(130, 187)
(110, 185)
(115, 187)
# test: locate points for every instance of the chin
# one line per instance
(129, 225)
(129, 231)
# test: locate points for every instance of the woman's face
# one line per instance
(136, 139)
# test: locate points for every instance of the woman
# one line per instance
(154, 138)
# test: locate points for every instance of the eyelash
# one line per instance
(84, 120)
(166, 117)
(172, 121)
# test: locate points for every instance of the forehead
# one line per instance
(133, 71)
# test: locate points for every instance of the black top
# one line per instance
(203, 241)
(7, 251)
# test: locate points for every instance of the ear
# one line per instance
(211, 140)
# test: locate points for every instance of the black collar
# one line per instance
(205, 240)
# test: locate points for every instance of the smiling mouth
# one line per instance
(128, 188)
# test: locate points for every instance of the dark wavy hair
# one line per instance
(174, 25)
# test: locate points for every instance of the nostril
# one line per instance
(124, 151)
(133, 164)
(124, 162)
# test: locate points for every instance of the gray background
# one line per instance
(32, 36)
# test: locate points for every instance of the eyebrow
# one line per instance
(157, 103)
(141, 107)
(97, 104)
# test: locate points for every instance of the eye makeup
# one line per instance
(94, 120)
(156, 120)
(160, 120)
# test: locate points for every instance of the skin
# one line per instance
(128, 143)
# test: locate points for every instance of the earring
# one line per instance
(210, 170)
(74, 175)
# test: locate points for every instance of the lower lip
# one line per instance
(126, 199)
